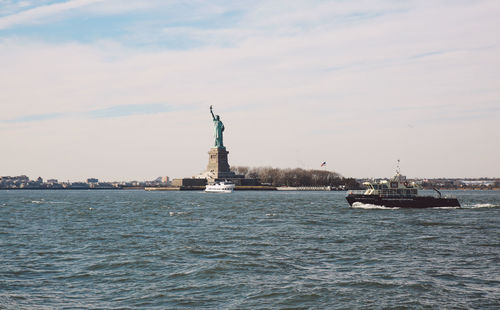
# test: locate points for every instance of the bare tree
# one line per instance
(295, 177)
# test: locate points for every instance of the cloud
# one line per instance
(33, 15)
(304, 82)
(128, 110)
(110, 112)
(34, 118)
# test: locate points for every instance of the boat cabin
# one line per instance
(396, 187)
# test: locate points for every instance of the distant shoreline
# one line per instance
(66, 189)
(148, 188)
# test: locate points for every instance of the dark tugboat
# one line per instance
(398, 193)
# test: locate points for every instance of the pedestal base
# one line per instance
(218, 165)
(218, 169)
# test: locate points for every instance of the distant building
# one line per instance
(104, 185)
(78, 185)
(92, 180)
(189, 182)
(478, 183)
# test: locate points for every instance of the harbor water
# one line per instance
(245, 250)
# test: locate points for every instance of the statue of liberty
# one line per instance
(218, 129)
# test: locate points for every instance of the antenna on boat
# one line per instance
(398, 169)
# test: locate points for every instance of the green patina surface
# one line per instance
(218, 129)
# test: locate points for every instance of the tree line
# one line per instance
(296, 177)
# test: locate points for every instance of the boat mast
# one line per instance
(397, 177)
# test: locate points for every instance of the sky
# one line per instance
(120, 90)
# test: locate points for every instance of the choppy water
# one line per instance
(245, 250)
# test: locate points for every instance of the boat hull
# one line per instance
(403, 202)
(222, 187)
(218, 190)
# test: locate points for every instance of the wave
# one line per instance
(172, 213)
(480, 205)
(360, 205)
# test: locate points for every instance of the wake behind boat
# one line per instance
(220, 187)
(398, 193)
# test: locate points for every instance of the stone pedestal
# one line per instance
(218, 169)
(218, 165)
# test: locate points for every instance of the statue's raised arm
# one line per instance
(213, 116)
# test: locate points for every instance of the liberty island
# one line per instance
(218, 168)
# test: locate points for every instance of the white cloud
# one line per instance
(402, 85)
(34, 15)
